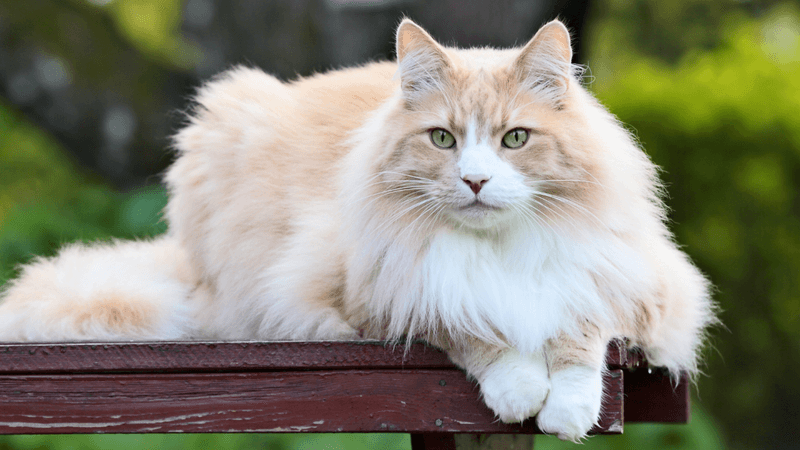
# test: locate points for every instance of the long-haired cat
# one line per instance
(480, 199)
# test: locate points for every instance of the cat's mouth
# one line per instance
(478, 205)
(478, 214)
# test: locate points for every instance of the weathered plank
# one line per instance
(214, 356)
(408, 401)
(282, 387)
(107, 357)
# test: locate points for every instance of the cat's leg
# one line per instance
(513, 385)
(671, 324)
(307, 283)
(307, 311)
(576, 385)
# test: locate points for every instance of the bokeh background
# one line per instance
(90, 91)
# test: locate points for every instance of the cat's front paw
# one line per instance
(573, 406)
(515, 386)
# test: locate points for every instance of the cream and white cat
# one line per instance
(480, 199)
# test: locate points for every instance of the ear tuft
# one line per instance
(545, 63)
(555, 39)
(409, 35)
(421, 61)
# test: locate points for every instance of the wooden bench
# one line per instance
(288, 387)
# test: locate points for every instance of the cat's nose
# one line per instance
(476, 181)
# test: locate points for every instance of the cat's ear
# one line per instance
(545, 63)
(422, 63)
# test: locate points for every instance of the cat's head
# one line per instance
(483, 136)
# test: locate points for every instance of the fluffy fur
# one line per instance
(321, 209)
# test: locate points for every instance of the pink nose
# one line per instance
(475, 181)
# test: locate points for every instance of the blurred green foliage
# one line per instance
(666, 30)
(724, 126)
(209, 441)
(701, 434)
(153, 26)
(716, 104)
(46, 201)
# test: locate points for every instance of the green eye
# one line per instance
(515, 138)
(442, 138)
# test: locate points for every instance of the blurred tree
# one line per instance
(668, 30)
(66, 65)
(45, 200)
(723, 125)
(107, 78)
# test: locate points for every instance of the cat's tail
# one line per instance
(113, 291)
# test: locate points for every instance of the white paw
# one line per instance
(573, 406)
(515, 386)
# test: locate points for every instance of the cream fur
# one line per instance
(320, 209)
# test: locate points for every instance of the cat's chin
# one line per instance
(479, 215)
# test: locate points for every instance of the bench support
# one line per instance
(442, 441)
(432, 441)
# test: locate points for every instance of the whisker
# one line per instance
(548, 207)
(568, 181)
(593, 177)
(388, 172)
(533, 219)
(377, 195)
(415, 184)
(526, 216)
(393, 218)
(575, 205)
(430, 212)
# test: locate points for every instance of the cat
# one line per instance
(480, 199)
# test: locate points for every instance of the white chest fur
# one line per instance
(526, 285)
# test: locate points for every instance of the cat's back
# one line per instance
(258, 156)
(249, 127)
(339, 101)
(245, 103)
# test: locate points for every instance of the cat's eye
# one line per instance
(515, 138)
(442, 138)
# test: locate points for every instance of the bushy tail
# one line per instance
(112, 291)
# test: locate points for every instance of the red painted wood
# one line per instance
(282, 387)
(612, 415)
(214, 356)
(652, 397)
(409, 401)
(16, 358)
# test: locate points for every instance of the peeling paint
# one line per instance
(105, 424)
(291, 429)
(169, 419)
(60, 425)
(463, 422)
